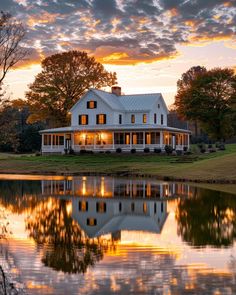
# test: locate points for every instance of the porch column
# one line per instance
(130, 140)
(51, 140)
(94, 141)
(72, 141)
(42, 140)
(161, 139)
(64, 140)
(188, 140)
(143, 139)
(113, 140)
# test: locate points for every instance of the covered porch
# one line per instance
(105, 140)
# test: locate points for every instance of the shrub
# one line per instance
(71, 151)
(217, 144)
(168, 149)
(82, 152)
(212, 150)
(222, 147)
(210, 146)
(107, 152)
(37, 154)
(203, 150)
(185, 148)
(179, 152)
(133, 151)
(119, 150)
(157, 150)
(146, 150)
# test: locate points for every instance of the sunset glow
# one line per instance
(148, 43)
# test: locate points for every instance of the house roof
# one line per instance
(135, 127)
(131, 102)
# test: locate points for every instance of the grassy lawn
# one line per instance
(208, 167)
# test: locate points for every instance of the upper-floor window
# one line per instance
(83, 119)
(91, 104)
(155, 118)
(101, 207)
(83, 206)
(162, 119)
(120, 119)
(144, 118)
(132, 119)
(158, 105)
(101, 119)
(91, 221)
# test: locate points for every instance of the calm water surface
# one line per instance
(103, 235)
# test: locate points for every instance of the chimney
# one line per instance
(116, 90)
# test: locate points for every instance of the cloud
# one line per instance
(122, 31)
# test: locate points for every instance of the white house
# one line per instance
(103, 121)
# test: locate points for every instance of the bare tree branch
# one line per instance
(12, 34)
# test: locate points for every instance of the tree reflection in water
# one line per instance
(65, 247)
(207, 218)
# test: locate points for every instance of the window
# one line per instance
(155, 208)
(155, 118)
(120, 207)
(119, 138)
(162, 119)
(120, 119)
(144, 207)
(83, 206)
(132, 119)
(83, 119)
(137, 138)
(91, 104)
(144, 118)
(162, 207)
(158, 105)
(101, 207)
(47, 139)
(91, 221)
(101, 119)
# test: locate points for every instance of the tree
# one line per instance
(65, 77)
(12, 34)
(208, 98)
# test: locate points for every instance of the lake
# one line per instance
(106, 235)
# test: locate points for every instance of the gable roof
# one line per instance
(131, 102)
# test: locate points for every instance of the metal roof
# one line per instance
(132, 102)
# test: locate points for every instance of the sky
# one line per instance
(148, 43)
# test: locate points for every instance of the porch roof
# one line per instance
(123, 127)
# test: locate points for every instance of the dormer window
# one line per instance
(101, 119)
(144, 118)
(91, 104)
(162, 119)
(132, 119)
(83, 119)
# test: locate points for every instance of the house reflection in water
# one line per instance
(107, 205)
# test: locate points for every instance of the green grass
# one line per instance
(209, 167)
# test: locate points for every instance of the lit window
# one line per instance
(101, 207)
(132, 119)
(144, 118)
(83, 206)
(101, 119)
(144, 207)
(91, 221)
(83, 119)
(91, 104)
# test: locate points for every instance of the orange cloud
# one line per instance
(44, 18)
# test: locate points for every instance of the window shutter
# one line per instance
(95, 104)
(87, 119)
(87, 104)
(79, 119)
(105, 119)
(97, 119)
(86, 206)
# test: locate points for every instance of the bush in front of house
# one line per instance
(168, 149)
(179, 152)
(133, 151)
(107, 152)
(146, 150)
(222, 147)
(157, 150)
(185, 149)
(118, 150)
